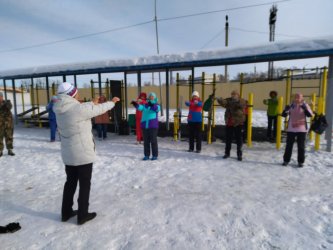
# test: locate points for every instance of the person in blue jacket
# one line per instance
(194, 120)
(52, 118)
(149, 125)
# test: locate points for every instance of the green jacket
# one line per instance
(272, 109)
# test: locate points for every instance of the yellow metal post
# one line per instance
(177, 91)
(324, 89)
(53, 89)
(214, 108)
(32, 98)
(320, 111)
(189, 87)
(279, 123)
(175, 126)
(249, 120)
(38, 110)
(22, 92)
(203, 98)
(313, 108)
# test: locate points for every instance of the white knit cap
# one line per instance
(67, 88)
(195, 93)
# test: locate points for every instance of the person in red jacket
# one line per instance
(142, 99)
(194, 121)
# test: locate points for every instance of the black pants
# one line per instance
(272, 122)
(150, 138)
(291, 137)
(74, 174)
(195, 135)
(230, 133)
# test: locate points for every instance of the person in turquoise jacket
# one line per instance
(272, 112)
(149, 125)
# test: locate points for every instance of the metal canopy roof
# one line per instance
(277, 51)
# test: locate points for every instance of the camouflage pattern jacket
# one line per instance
(6, 115)
(235, 111)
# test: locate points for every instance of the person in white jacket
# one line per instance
(77, 147)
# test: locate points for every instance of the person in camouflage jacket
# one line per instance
(6, 125)
(234, 120)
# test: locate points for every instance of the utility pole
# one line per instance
(158, 52)
(272, 20)
(226, 44)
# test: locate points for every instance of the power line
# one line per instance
(77, 37)
(249, 31)
(139, 24)
(223, 10)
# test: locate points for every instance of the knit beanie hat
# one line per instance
(195, 93)
(67, 88)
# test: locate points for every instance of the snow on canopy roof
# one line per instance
(277, 51)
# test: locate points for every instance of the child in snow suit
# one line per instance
(142, 99)
(234, 119)
(297, 128)
(52, 118)
(77, 147)
(272, 112)
(194, 120)
(149, 125)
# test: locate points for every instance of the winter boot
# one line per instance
(87, 217)
(0, 153)
(67, 217)
(10, 152)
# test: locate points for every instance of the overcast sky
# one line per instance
(126, 28)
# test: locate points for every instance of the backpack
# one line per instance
(319, 124)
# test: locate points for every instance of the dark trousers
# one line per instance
(81, 174)
(291, 137)
(272, 122)
(237, 133)
(101, 130)
(53, 129)
(150, 138)
(195, 135)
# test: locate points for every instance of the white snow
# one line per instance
(181, 201)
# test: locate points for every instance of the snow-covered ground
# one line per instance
(181, 201)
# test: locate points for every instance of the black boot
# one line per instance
(10, 152)
(87, 217)
(67, 217)
(0, 153)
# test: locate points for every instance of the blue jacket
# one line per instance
(52, 115)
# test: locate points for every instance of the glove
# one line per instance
(134, 103)
(287, 108)
(10, 228)
(150, 104)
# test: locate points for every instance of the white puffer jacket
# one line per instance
(75, 129)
